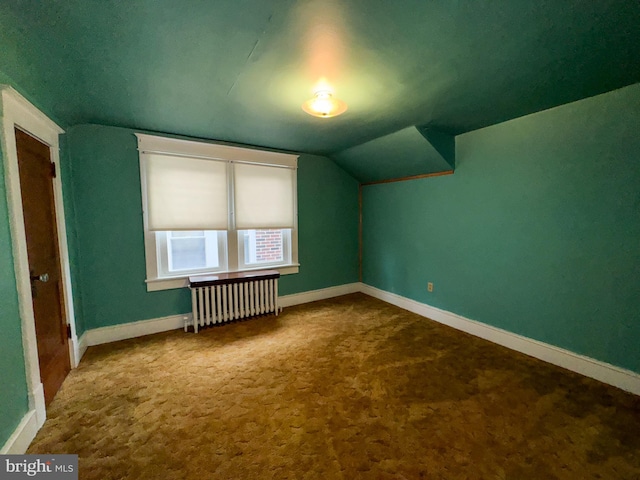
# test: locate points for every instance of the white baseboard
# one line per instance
(114, 333)
(123, 331)
(37, 402)
(77, 348)
(22, 436)
(82, 347)
(589, 367)
(604, 372)
(321, 294)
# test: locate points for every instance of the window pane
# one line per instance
(263, 246)
(187, 251)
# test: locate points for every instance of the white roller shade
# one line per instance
(185, 193)
(264, 196)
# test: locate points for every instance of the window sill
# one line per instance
(157, 284)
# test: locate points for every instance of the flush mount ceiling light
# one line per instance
(324, 105)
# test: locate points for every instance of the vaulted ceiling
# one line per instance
(239, 70)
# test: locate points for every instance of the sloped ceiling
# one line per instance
(239, 70)
(406, 153)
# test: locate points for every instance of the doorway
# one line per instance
(18, 113)
(38, 205)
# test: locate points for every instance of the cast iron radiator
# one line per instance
(230, 296)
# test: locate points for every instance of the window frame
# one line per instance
(151, 144)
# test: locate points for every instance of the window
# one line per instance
(190, 251)
(215, 208)
(264, 247)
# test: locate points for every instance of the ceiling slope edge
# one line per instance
(410, 152)
(444, 143)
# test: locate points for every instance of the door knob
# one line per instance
(44, 278)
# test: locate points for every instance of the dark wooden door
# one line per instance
(36, 183)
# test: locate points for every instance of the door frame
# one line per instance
(16, 111)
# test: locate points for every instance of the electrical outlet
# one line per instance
(430, 287)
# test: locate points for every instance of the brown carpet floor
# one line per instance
(346, 388)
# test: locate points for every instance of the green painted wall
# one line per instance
(36, 65)
(108, 220)
(14, 402)
(327, 227)
(72, 239)
(537, 232)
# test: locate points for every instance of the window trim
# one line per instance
(211, 151)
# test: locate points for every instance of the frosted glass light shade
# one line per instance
(264, 196)
(186, 193)
(324, 105)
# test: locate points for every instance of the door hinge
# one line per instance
(53, 170)
(68, 330)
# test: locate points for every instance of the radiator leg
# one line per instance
(275, 296)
